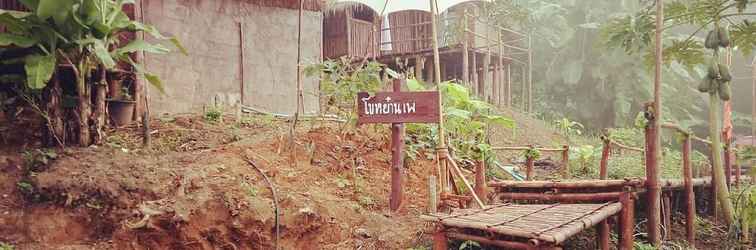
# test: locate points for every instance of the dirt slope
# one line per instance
(195, 189)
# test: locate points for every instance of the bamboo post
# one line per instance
(738, 167)
(653, 194)
(627, 221)
(480, 178)
(442, 153)
(524, 96)
(440, 241)
(690, 200)
(509, 85)
(529, 166)
(483, 85)
(654, 146)
(603, 227)
(397, 161)
(498, 74)
(603, 168)
(465, 51)
(419, 65)
(474, 83)
(433, 197)
(530, 74)
(566, 162)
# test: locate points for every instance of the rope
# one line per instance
(275, 198)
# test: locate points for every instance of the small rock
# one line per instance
(361, 232)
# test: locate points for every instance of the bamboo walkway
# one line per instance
(549, 223)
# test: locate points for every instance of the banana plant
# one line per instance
(83, 34)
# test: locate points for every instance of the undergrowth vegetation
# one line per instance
(466, 118)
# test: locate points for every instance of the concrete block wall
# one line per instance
(211, 74)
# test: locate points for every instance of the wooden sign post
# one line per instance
(397, 108)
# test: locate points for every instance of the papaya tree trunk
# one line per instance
(717, 170)
(99, 107)
(55, 132)
(83, 90)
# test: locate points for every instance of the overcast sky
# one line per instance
(396, 5)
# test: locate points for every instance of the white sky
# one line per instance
(397, 5)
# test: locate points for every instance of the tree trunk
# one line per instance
(723, 195)
(55, 132)
(83, 90)
(99, 107)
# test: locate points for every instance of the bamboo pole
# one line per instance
(474, 83)
(627, 222)
(690, 200)
(480, 178)
(461, 176)
(566, 197)
(578, 184)
(509, 85)
(524, 97)
(653, 187)
(654, 147)
(530, 74)
(606, 151)
(465, 52)
(440, 241)
(433, 197)
(529, 162)
(566, 162)
(603, 227)
(300, 93)
(442, 154)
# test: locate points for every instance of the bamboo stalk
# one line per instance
(566, 162)
(627, 222)
(690, 200)
(464, 181)
(579, 184)
(432, 199)
(440, 241)
(567, 197)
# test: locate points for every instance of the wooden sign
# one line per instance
(398, 107)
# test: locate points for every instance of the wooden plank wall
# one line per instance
(334, 35)
(406, 35)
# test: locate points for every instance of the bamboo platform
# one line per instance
(550, 224)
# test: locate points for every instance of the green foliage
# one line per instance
(568, 127)
(6, 246)
(341, 80)
(213, 114)
(76, 31)
(585, 156)
(38, 159)
(531, 153)
(466, 121)
(745, 206)
(469, 245)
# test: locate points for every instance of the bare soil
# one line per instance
(195, 189)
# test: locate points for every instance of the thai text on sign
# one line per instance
(398, 107)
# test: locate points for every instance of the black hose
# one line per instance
(275, 197)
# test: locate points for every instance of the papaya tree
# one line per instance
(724, 24)
(85, 36)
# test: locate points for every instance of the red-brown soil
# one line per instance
(195, 190)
